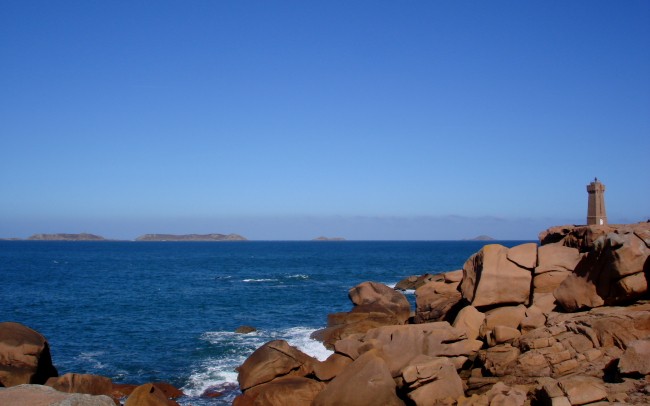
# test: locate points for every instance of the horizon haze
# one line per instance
(291, 120)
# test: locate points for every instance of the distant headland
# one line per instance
(191, 237)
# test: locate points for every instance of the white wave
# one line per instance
(298, 276)
(300, 337)
(91, 358)
(260, 280)
(391, 285)
(219, 373)
(409, 292)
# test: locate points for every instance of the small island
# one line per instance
(66, 237)
(321, 238)
(481, 238)
(191, 237)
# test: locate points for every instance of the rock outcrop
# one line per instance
(614, 270)
(504, 332)
(375, 305)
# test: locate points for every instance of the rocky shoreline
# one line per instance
(562, 322)
(565, 322)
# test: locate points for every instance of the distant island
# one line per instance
(191, 237)
(481, 238)
(321, 238)
(66, 237)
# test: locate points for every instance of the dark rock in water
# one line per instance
(169, 390)
(24, 356)
(121, 390)
(211, 394)
(245, 330)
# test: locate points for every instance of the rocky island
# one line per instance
(321, 238)
(482, 237)
(66, 237)
(191, 237)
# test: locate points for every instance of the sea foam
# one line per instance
(218, 373)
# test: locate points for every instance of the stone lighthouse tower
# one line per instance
(596, 209)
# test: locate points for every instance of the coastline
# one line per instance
(439, 292)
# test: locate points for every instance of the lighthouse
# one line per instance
(596, 204)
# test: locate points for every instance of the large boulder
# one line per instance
(377, 297)
(273, 359)
(39, 395)
(555, 263)
(615, 271)
(149, 395)
(469, 320)
(285, 391)
(490, 278)
(524, 255)
(367, 381)
(436, 301)
(24, 356)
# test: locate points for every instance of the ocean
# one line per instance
(138, 312)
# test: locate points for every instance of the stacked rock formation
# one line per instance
(563, 323)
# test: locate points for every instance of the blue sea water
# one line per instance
(167, 311)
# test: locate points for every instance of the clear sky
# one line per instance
(294, 119)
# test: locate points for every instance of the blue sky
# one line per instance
(290, 120)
